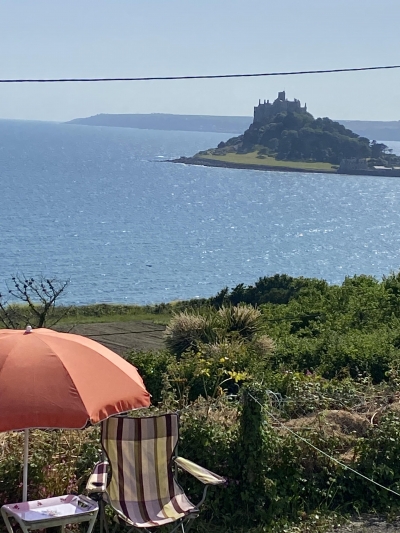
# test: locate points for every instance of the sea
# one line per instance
(103, 208)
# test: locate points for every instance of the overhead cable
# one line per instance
(200, 77)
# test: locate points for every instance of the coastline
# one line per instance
(200, 161)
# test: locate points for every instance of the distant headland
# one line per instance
(380, 130)
(165, 121)
(284, 136)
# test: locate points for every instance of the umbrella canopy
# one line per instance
(60, 380)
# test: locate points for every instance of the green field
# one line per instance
(95, 313)
(252, 159)
(90, 314)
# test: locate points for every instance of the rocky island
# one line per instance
(284, 136)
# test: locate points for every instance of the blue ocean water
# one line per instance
(101, 207)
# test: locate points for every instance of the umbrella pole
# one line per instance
(25, 472)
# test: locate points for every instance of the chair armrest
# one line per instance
(202, 474)
(97, 481)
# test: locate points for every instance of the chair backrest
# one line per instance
(140, 452)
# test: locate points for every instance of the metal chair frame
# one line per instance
(99, 481)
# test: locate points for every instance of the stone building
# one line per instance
(264, 112)
(352, 164)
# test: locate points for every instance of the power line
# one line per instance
(204, 77)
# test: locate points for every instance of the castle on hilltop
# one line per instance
(264, 112)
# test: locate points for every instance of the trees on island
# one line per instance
(300, 137)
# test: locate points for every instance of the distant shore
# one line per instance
(382, 130)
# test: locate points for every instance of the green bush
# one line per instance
(60, 462)
(152, 366)
(378, 460)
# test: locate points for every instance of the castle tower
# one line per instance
(265, 111)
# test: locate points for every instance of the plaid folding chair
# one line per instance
(143, 489)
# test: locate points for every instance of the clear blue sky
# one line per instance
(108, 38)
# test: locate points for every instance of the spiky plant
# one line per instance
(186, 331)
(242, 320)
(264, 345)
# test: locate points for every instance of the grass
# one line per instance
(98, 313)
(101, 313)
(252, 159)
(90, 314)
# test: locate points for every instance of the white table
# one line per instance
(50, 512)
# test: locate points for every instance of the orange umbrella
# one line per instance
(60, 380)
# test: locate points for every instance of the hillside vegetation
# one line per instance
(288, 387)
(268, 371)
(268, 161)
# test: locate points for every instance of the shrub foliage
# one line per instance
(279, 392)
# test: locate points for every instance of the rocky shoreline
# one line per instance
(199, 161)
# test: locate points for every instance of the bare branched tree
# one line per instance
(32, 301)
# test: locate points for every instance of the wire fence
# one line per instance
(330, 416)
